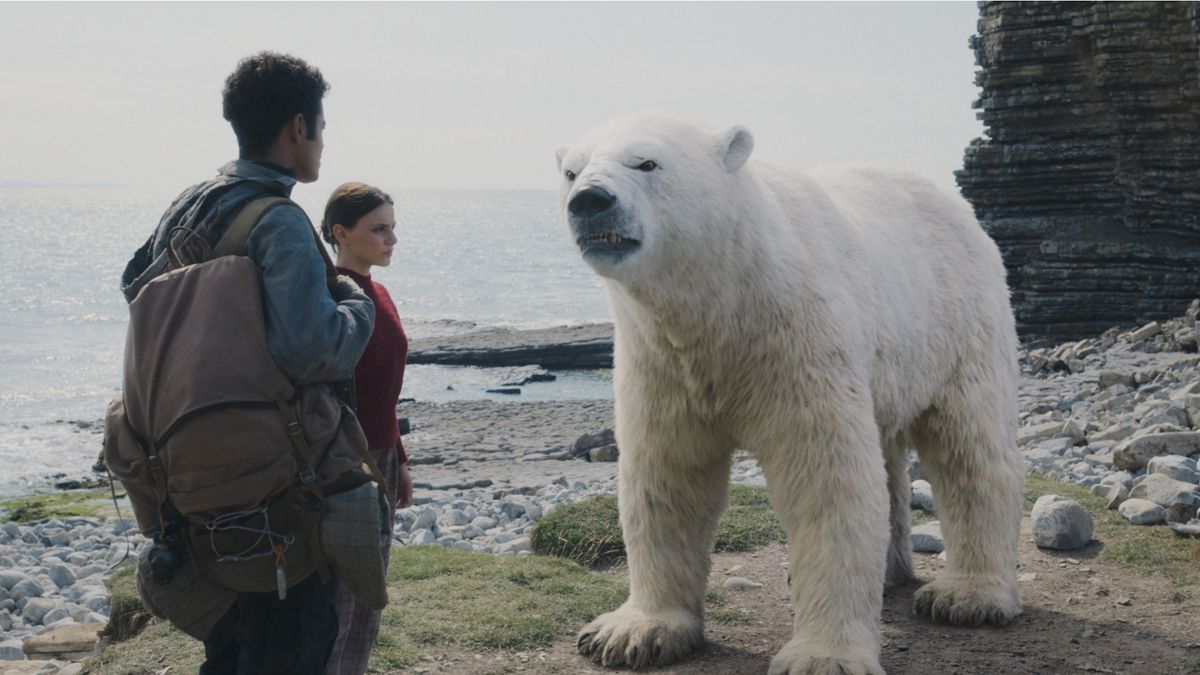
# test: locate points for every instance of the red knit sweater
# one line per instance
(380, 372)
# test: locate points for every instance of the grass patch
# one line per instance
(70, 504)
(589, 531)
(127, 614)
(728, 616)
(482, 601)
(155, 649)
(1152, 550)
(715, 610)
(919, 517)
(748, 523)
(438, 596)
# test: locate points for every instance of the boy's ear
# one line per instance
(297, 128)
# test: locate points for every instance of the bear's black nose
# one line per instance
(591, 201)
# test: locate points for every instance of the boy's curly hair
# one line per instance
(265, 91)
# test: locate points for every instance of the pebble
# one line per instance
(52, 573)
(12, 649)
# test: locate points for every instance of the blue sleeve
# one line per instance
(312, 337)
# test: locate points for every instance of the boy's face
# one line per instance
(308, 160)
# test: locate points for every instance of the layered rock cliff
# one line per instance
(1088, 176)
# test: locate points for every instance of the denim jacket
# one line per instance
(312, 337)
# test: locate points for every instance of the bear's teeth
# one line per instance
(613, 239)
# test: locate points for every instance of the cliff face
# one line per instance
(1088, 177)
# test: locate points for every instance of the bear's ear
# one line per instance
(736, 145)
(559, 154)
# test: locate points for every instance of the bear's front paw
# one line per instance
(800, 658)
(966, 601)
(630, 637)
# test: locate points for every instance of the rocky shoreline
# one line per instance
(1119, 414)
(563, 348)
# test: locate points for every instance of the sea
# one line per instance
(465, 260)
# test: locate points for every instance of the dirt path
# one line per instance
(1081, 616)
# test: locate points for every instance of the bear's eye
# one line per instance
(570, 174)
(647, 165)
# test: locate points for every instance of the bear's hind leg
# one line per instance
(899, 560)
(828, 490)
(674, 480)
(967, 442)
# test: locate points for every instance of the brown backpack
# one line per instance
(210, 436)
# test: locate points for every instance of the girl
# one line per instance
(360, 224)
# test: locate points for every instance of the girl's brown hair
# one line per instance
(348, 203)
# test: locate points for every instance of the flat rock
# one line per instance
(1188, 529)
(1135, 453)
(1142, 512)
(927, 538)
(1110, 377)
(1035, 432)
(72, 639)
(740, 583)
(1060, 523)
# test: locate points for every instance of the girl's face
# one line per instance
(369, 241)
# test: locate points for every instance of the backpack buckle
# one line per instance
(307, 476)
(294, 429)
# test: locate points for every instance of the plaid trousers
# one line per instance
(358, 625)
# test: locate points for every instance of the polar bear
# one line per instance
(826, 322)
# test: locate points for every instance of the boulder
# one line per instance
(604, 453)
(36, 609)
(922, 496)
(1060, 523)
(1175, 466)
(593, 440)
(1178, 498)
(1117, 494)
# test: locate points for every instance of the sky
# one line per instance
(479, 95)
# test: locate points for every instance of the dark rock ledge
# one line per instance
(563, 348)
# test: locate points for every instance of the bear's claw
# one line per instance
(629, 637)
(963, 603)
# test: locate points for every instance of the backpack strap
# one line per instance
(233, 242)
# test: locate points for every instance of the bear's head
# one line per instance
(649, 191)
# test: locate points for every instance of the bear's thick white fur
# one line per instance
(825, 321)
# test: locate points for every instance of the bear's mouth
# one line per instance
(606, 243)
